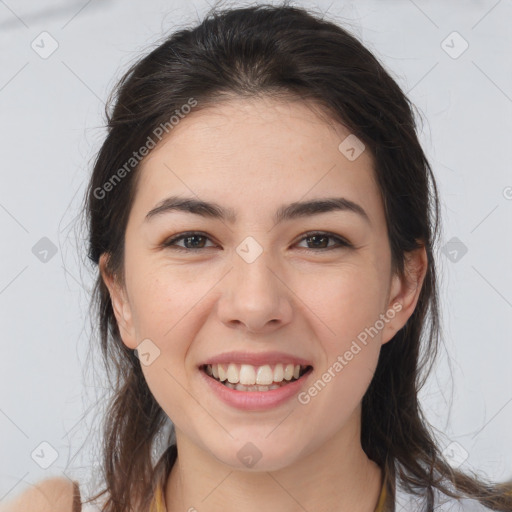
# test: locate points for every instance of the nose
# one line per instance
(254, 297)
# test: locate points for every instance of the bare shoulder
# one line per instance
(56, 494)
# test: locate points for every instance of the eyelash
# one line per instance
(341, 243)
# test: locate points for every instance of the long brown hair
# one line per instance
(287, 52)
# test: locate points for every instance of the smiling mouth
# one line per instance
(299, 372)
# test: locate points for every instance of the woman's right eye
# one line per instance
(192, 241)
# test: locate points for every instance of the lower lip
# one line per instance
(255, 400)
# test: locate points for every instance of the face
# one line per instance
(314, 284)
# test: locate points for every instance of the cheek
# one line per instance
(168, 314)
(164, 322)
(347, 300)
(170, 308)
(350, 306)
(162, 298)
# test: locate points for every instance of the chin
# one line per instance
(255, 456)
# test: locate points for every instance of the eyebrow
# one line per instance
(290, 211)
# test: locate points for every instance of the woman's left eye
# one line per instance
(320, 240)
(194, 240)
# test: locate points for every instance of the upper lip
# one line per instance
(256, 359)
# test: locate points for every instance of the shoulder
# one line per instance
(56, 494)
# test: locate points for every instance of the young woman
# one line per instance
(263, 218)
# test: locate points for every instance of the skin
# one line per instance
(53, 494)
(253, 156)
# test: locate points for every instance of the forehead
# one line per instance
(257, 150)
(255, 126)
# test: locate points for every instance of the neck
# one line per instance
(337, 476)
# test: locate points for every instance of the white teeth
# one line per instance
(222, 372)
(279, 373)
(265, 375)
(288, 371)
(241, 387)
(233, 374)
(249, 375)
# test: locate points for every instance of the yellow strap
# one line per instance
(158, 503)
(382, 499)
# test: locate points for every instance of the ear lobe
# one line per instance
(405, 291)
(120, 304)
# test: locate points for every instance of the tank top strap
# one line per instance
(158, 502)
(381, 504)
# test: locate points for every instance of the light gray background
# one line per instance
(51, 127)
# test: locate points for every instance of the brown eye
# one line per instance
(191, 241)
(321, 240)
(318, 241)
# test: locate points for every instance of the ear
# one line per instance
(120, 304)
(405, 291)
